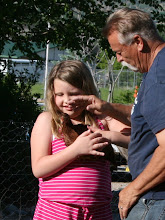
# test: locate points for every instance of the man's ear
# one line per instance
(139, 42)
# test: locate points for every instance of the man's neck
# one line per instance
(155, 49)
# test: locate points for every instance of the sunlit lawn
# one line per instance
(39, 88)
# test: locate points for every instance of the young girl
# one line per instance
(74, 174)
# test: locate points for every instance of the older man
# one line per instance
(132, 34)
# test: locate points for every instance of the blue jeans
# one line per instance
(148, 209)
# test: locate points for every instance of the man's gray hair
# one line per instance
(129, 22)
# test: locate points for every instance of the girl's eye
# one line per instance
(58, 94)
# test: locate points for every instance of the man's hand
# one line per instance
(97, 106)
(91, 103)
(127, 198)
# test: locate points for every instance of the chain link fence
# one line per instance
(127, 79)
(19, 188)
(18, 193)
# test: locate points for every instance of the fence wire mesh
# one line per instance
(19, 188)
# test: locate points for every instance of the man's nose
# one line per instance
(119, 58)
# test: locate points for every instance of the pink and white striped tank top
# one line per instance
(82, 182)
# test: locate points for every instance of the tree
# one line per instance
(75, 25)
(72, 23)
(17, 102)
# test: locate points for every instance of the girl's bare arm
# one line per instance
(44, 163)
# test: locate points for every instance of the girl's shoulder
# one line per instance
(42, 126)
(44, 116)
(43, 119)
(103, 120)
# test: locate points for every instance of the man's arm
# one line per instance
(118, 111)
(99, 107)
(152, 175)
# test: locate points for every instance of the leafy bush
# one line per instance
(17, 102)
(124, 97)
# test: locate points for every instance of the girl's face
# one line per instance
(63, 93)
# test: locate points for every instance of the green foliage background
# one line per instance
(67, 24)
(17, 102)
(121, 95)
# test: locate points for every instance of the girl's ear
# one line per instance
(139, 42)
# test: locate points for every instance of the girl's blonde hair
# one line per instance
(78, 75)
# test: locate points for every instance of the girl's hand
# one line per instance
(89, 144)
(105, 134)
(121, 139)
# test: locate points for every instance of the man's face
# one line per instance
(126, 54)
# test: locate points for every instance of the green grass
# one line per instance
(104, 93)
(38, 88)
(120, 95)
